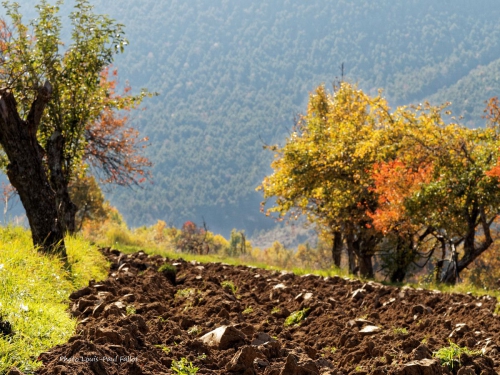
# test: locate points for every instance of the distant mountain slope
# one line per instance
(469, 94)
(232, 74)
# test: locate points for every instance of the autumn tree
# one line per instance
(405, 243)
(442, 184)
(193, 239)
(86, 194)
(323, 170)
(237, 243)
(59, 109)
(403, 184)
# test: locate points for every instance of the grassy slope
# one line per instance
(34, 292)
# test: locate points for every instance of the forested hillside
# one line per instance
(232, 75)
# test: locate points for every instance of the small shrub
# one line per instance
(165, 349)
(331, 349)
(400, 331)
(248, 310)
(296, 317)
(188, 307)
(229, 286)
(450, 355)
(183, 367)
(184, 293)
(497, 309)
(275, 310)
(130, 310)
(194, 330)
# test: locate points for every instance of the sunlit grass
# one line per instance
(463, 288)
(34, 291)
(130, 241)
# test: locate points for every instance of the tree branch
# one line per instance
(36, 111)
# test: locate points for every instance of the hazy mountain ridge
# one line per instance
(233, 74)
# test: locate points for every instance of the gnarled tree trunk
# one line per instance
(472, 248)
(66, 209)
(26, 170)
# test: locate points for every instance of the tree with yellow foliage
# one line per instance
(323, 171)
(404, 182)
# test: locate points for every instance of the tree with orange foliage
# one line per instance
(59, 110)
(400, 183)
(394, 182)
(441, 185)
(405, 242)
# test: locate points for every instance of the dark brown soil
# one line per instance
(138, 322)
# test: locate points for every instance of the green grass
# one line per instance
(34, 291)
(400, 331)
(334, 271)
(86, 262)
(450, 355)
(168, 252)
(183, 367)
(229, 286)
(248, 310)
(296, 317)
(167, 267)
(463, 287)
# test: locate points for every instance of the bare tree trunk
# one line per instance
(366, 265)
(26, 171)
(364, 254)
(337, 249)
(353, 268)
(472, 249)
(351, 253)
(403, 256)
(440, 263)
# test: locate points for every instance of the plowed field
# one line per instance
(139, 321)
